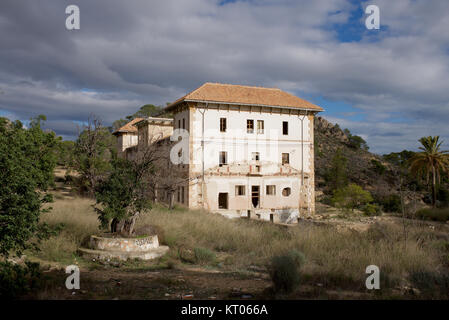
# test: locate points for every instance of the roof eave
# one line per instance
(171, 106)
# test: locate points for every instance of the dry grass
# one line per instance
(335, 258)
(79, 221)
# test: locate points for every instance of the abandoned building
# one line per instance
(248, 151)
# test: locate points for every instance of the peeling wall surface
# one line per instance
(253, 159)
(259, 165)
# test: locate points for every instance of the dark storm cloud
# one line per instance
(128, 53)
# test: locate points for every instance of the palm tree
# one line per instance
(430, 162)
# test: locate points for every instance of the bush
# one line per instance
(391, 203)
(298, 257)
(378, 167)
(203, 255)
(351, 197)
(284, 271)
(443, 198)
(17, 280)
(371, 209)
(433, 214)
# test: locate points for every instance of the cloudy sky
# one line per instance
(390, 85)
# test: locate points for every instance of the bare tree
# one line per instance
(92, 154)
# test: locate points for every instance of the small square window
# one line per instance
(271, 190)
(239, 190)
(255, 156)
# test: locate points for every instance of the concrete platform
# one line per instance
(123, 255)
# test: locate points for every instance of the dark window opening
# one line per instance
(271, 190)
(285, 127)
(255, 196)
(256, 156)
(223, 159)
(250, 126)
(271, 217)
(286, 192)
(222, 124)
(239, 190)
(285, 158)
(222, 200)
(183, 123)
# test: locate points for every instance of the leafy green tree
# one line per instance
(399, 158)
(355, 141)
(430, 163)
(124, 195)
(65, 152)
(92, 154)
(351, 197)
(337, 176)
(148, 110)
(27, 161)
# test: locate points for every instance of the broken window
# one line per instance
(255, 156)
(223, 159)
(255, 195)
(271, 190)
(222, 124)
(222, 200)
(285, 158)
(250, 126)
(286, 192)
(285, 127)
(239, 190)
(260, 126)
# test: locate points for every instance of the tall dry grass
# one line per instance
(333, 257)
(78, 221)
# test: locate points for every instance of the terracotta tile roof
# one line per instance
(237, 94)
(129, 127)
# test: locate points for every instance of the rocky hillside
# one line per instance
(362, 167)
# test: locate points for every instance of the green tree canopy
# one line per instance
(351, 197)
(27, 161)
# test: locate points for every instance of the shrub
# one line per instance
(203, 255)
(371, 209)
(17, 280)
(443, 197)
(298, 257)
(378, 167)
(351, 197)
(284, 272)
(433, 214)
(391, 203)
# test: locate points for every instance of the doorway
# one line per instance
(255, 196)
(223, 201)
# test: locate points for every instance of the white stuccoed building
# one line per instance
(247, 150)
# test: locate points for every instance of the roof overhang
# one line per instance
(176, 103)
